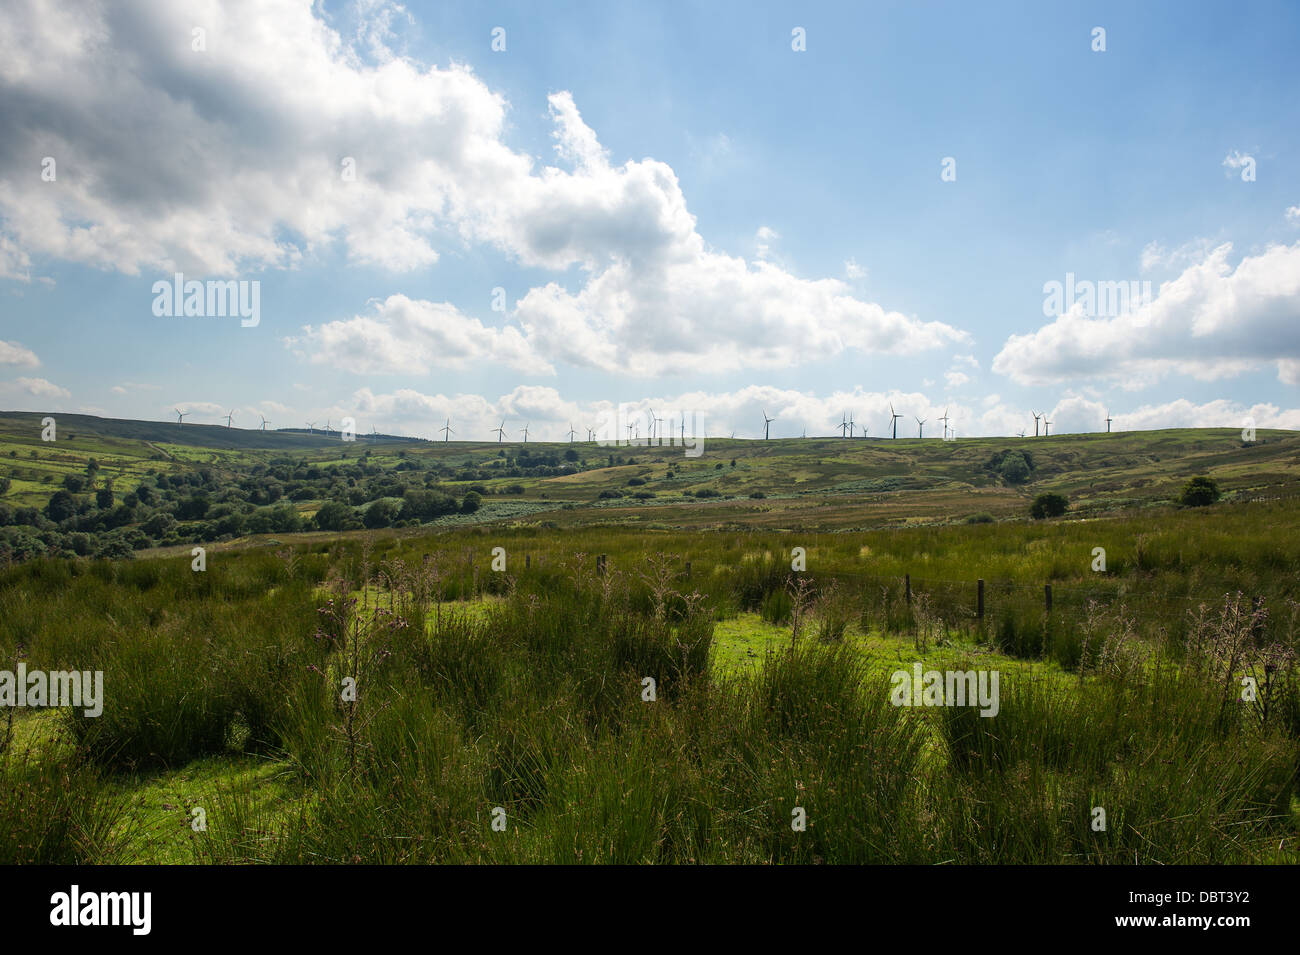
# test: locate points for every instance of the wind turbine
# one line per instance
(1109, 419)
(944, 419)
(1022, 432)
(571, 432)
(920, 426)
(767, 425)
(630, 426)
(447, 431)
(180, 416)
(229, 416)
(683, 428)
(893, 420)
(501, 431)
(311, 427)
(659, 429)
(525, 434)
(851, 426)
(844, 425)
(590, 433)
(264, 421)
(1047, 425)
(328, 427)
(1036, 417)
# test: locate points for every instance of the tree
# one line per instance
(104, 498)
(334, 516)
(4, 485)
(424, 505)
(381, 513)
(1200, 492)
(1014, 468)
(1048, 505)
(61, 506)
(471, 502)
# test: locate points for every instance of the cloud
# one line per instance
(1293, 215)
(414, 336)
(1236, 160)
(231, 159)
(33, 388)
(1211, 322)
(127, 387)
(955, 379)
(1157, 257)
(12, 353)
(852, 270)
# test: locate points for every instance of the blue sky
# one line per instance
(683, 212)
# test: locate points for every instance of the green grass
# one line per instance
(523, 690)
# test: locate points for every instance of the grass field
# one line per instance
(503, 714)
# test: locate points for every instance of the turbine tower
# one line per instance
(893, 420)
(525, 434)
(571, 432)
(311, 427)
(844, 426)
(1036, 417)
(944, 419)
(229, 416)
(180, 416)
(1109, 419)
(264, 421)
(447, 431)
(501, 431)
(920, 426)
(767, 425)
(1047, 426)
(851, 426)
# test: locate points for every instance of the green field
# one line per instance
(772, 628)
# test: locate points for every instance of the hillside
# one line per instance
(252, 481)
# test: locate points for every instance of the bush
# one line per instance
(381, 513)
(1014, 468)
(984, 517)
(334, 516)
(1200, 492)
(1048, 505)
(471, 502)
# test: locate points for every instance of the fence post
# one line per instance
(1047, 597)
(907, 586)
(979, 599)
(528, 561)
(600, 564)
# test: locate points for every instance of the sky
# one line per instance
(537, 213)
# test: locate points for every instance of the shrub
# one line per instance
(1048, 505)
(1200, 492)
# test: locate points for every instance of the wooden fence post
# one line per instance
(528, 561)
(600, 564)
(979, 599)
